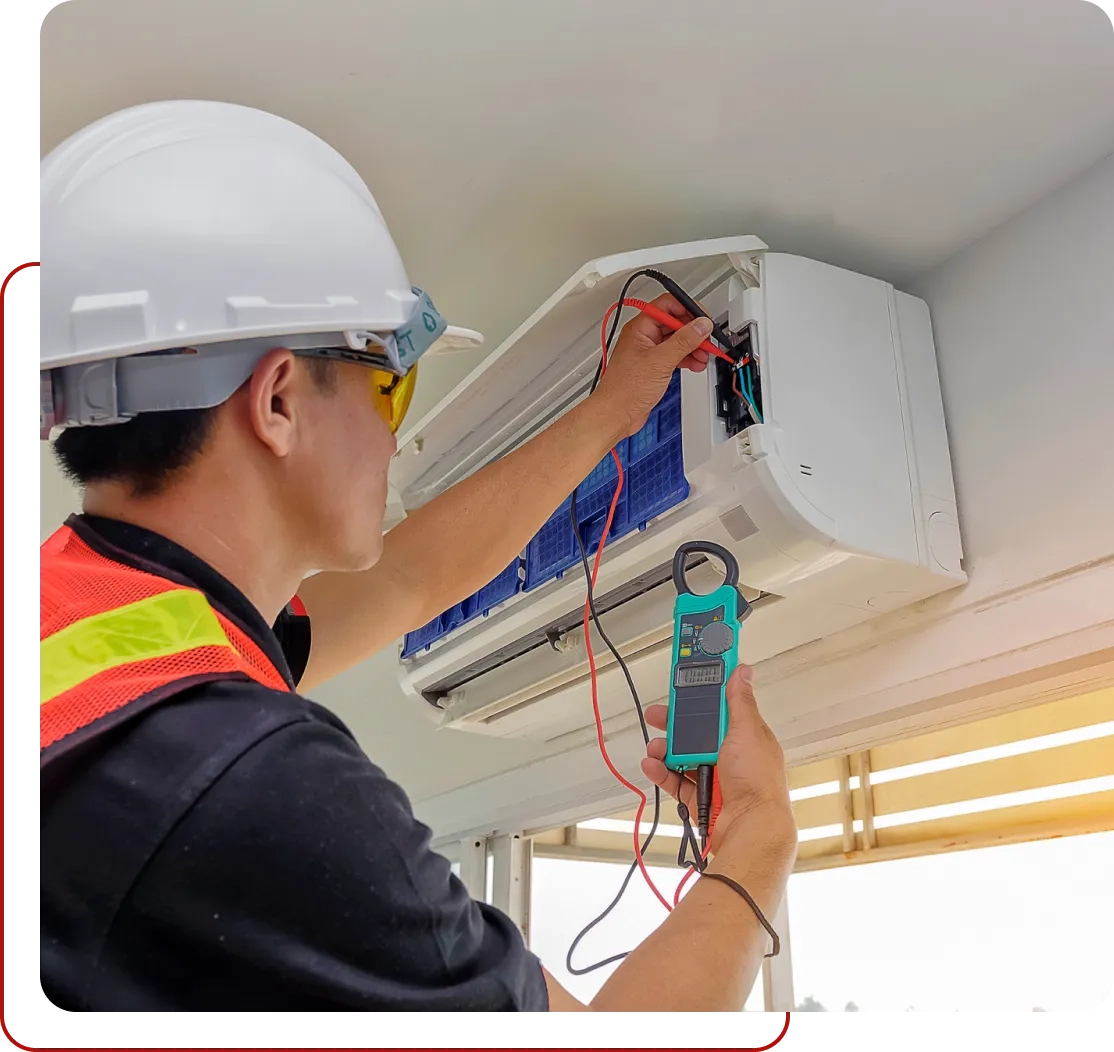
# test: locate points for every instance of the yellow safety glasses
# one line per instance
(391, 394)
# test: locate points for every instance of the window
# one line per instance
(1024, 927)
(567, 894)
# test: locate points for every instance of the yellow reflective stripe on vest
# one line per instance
(169, 623)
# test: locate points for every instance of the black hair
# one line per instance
(147, 451)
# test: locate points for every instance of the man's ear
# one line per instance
(272, 402)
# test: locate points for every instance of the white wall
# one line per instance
(1024, 325)
(396, 733)
(57, 498)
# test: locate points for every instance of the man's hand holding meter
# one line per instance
(751, 772)
(754, 842)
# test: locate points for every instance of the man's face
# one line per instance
(341, 461)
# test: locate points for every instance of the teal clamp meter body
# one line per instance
(705, 653)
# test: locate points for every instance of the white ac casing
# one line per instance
(839, 507)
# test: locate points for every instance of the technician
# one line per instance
(229, 342)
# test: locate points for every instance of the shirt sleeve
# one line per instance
(301, 880)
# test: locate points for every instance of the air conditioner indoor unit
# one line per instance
(839, 505)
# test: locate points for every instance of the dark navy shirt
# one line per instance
(232, 848)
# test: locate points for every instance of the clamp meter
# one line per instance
(705, 653)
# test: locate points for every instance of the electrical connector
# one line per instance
(705, 778)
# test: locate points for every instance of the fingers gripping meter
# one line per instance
(705, 653)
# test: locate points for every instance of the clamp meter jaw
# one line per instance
(705, 653)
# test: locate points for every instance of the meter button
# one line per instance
(716, 638)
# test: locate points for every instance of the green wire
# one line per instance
(748, 393)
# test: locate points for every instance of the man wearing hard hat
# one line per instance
(229, 342)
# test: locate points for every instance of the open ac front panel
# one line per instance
(839, 505)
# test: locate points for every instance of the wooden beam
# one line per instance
(942, 845)
(1065, 714)
(833, 856)
(618, 854)
(806, 774)
(824, 847)
(1035, 770)
(1094, 810)
(814, 811)
(862, 767)
(846, 808)
(777, 972)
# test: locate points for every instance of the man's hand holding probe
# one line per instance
(713, 930)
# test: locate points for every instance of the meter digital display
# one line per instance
(709, 674)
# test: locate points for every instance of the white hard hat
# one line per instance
(209, 228)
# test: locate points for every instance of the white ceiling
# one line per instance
(507, 143)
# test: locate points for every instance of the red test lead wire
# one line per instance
(669, 321)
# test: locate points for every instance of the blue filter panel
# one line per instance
(654, 470)
(508, 583)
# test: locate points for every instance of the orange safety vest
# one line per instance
(113, 637)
